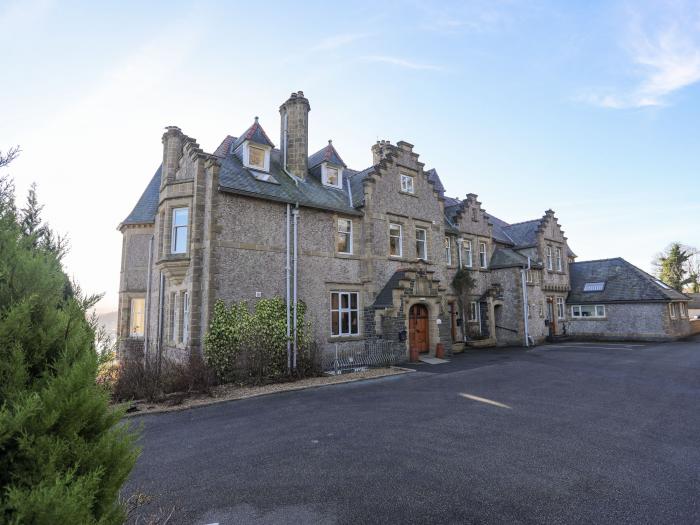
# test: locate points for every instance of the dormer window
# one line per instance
(256, 157)
(331, 175)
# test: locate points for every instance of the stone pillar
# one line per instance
(295, 145)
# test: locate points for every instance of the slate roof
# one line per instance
(326, 154)
(507, 258)
(310, 192)
(254, 133)
(385, 297)
(499, 230)
(435, 180)
(624, 282)
(522, 234)
(694, 302)
(146, 208)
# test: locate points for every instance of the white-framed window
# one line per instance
(560, 308)
(332, 176)
(588, 310)
(256, 157)
(474, 312)
(172, 317)
(344, 238)
(529, 277)
(345, 313)
(468, 257)
(395, 240)
(185, 317)
(422, 244)
(549, 258)
(684, 309)
(407, 183)
(137, 317)
(482, 255)
(179, 231)
(448, 251)
(673, 310)
(558, 254)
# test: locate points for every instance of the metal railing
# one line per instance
(351, 356)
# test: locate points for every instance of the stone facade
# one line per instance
(408, 241)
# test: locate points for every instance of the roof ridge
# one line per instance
(524, 222)
(603, 260)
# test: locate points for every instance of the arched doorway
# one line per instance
(418, 337)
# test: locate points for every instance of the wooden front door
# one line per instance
(418, 328)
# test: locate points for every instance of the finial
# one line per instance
(256, 119)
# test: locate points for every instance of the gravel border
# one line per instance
(224, 393)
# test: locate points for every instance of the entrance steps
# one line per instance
(432, 360)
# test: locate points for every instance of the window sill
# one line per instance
(345, 338)
(408, 193)
(342, 255)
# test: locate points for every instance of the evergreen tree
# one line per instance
(672, 266)
(63, 454)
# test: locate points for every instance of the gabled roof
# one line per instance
(254, 133)
(234, 177)
(624, 282)
(326, 154)
(146, 208)
(435, 180)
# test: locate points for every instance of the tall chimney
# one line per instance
(294, 135)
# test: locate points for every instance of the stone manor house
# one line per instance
(371, 252)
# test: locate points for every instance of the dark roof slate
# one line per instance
(507, 258)
(310, 192)
(434, 178)
(147, 206)
(694, 302)
(522, 234)
(254, 133)
(326, 154)
(624, 282)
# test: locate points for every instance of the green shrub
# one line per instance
(245, 345)
(63, 455)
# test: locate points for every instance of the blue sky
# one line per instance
(589, 108)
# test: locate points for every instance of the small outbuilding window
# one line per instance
(588, 310)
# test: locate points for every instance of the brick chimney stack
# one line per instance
(294, 134)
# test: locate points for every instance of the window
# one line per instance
(344, 241)
(475, 217)
(588, 310)
(172, 317)
(138, 313)
(448, 251)
(673, 310)
(684, 309)
(256, 157)
(344, 313)
(482, 255)
(549, 257)
(558, 253)
(468, 254)
(395, 238)
(529, 277)
(185, 317)
(179, 233)
(474, 312)
(560, 307)
(421, 244)
(332, 176)
(407, 184)
(594, 287)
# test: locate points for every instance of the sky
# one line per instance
(590, 108)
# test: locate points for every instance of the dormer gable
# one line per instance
(327, 164)
(253, 148)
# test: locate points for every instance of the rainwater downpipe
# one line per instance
(526, 306)
(295, 215)
(147, 306)
(288, 269)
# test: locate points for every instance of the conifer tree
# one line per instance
(63, 454)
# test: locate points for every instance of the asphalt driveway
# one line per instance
(573, 433)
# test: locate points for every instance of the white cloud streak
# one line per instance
(667, 57)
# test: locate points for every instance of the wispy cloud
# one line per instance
(402, 62)
(337, 41)
(666, 56)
